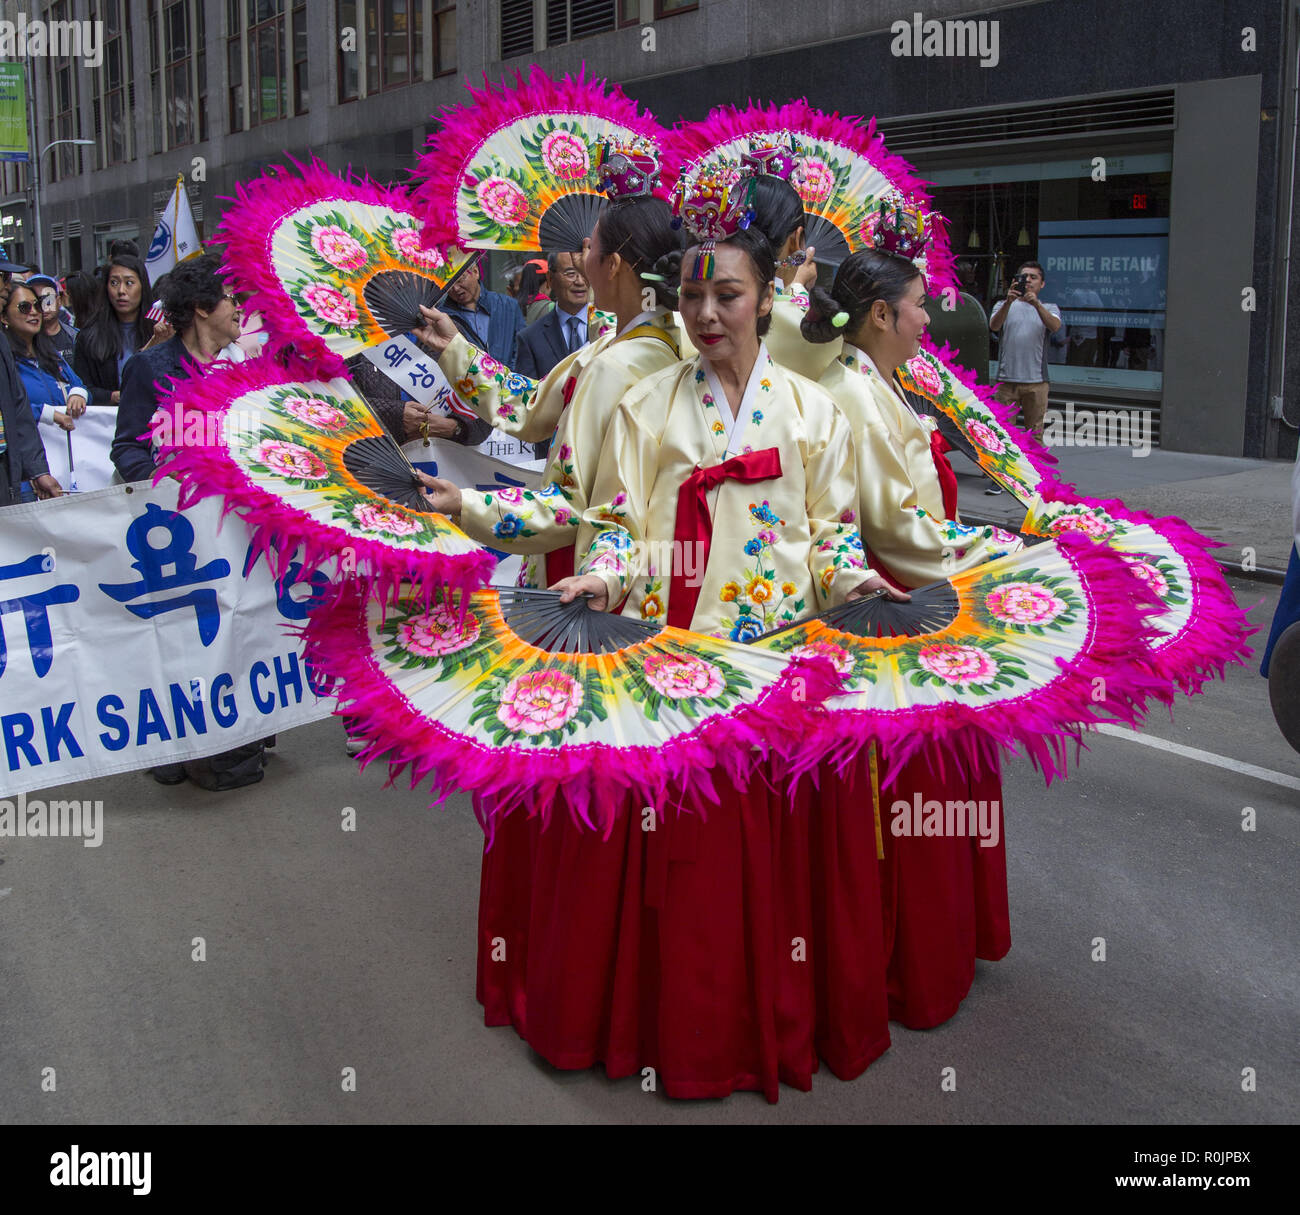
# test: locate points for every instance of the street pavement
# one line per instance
(1244, 504)
(328, 949)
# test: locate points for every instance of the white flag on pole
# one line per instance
(175, 239)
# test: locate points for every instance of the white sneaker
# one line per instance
(356, 745)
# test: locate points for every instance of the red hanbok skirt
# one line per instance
(726, 950)
(945, 898)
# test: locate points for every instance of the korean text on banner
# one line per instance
(132, 634)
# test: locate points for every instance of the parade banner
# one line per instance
(132, 634)
(81, 460)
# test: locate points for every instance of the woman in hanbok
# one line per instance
(945, 898)
(727, 949)
(631, 261)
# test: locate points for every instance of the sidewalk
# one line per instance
(1244, 503)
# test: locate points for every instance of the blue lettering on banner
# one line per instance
(109, 713)
(258, 672)
(188, 708)
(395, 355)
(423, 376)
(151, 563)
(35, 609)
(150, 720)
(19, 730)
(225, 712)
(320, 683)
(58, 731)
(292, 678)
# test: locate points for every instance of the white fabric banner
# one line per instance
(133, 635)
(474, 468)
(90, 445)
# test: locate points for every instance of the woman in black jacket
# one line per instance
(119, 329)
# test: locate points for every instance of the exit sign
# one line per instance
(1138, 202)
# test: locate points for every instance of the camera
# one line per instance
(1020, 283)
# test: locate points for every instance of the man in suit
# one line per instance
(562, 330)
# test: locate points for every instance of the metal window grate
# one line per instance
(516, 28)
(1117, 113)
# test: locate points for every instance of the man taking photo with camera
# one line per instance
(1023, 322)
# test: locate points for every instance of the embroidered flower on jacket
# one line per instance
(508, 527)
(651, 606)
(759, 590)
(730, 592)
(747, 628)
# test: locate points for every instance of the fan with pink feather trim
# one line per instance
(308, 467)
(844, 175)
(514, 169)
(333, 264)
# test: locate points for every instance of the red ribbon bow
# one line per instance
(695, 524)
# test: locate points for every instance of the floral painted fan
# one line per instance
(333, 265)
(985, 429)
(521, 699)
(514, 170)
(844, 175)
(1200, 628)
(1010, 654)
(308, 464)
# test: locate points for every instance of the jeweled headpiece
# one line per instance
(628, 170)
(775, 154)
(900, 228)
(713, 200)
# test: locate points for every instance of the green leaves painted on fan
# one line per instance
(438, 640)
(682, 682)
(539, 707)
(972, 664)
(1026, 602)
(334, 244)
(854, 661)
(327, 308)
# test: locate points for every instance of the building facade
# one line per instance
(1142, 150)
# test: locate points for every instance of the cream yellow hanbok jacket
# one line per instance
(780, 548)
(539, 522)
(900, 510)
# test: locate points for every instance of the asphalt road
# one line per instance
(328, 949)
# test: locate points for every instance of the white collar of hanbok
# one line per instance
(653, 317)
(735, 428)
(855, 354)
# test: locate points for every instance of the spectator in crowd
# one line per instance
(206, 320)
(22, 458)
(511, 279)
(85, 297)
(54, 391)
(63, 337)
(564, 328)
(7, 268)
(488, 320)
(535, 299)
(1023, 323)
(403, 417)
(119, 329)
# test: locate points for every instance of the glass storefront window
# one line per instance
(1103, 245)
